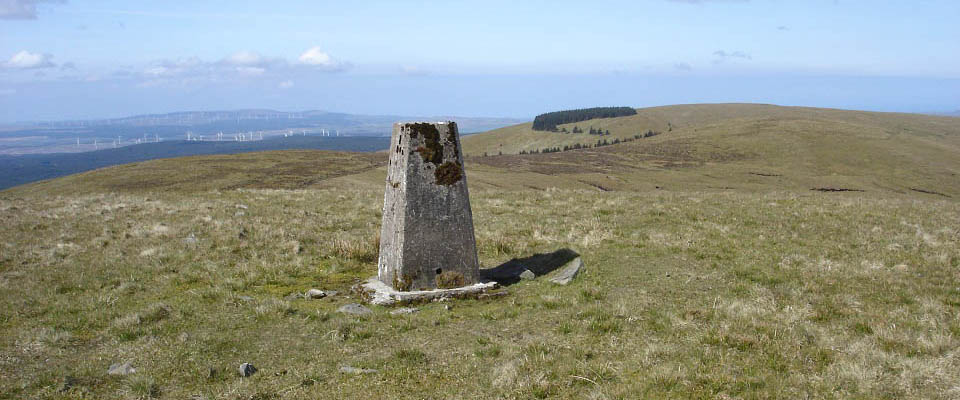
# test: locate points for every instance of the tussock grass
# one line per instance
(689, 294)
(768, 290)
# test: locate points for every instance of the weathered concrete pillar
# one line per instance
(427, 239)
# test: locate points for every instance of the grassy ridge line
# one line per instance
(750, 147)
(512, 139)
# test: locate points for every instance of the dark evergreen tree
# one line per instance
(549, 121)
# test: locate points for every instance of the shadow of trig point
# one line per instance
(427, 240)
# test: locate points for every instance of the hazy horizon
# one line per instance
(64, 60)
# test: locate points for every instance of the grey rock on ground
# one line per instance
(121, 369)
(404, 310)
(192, 239)
(247, 369)
(527, 275)
(567, 272)
(316, 294)
(357, 371)
(354, 308)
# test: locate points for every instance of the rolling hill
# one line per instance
(745, 146)
(712, 269)
(737, 119)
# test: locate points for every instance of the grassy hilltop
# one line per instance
(712, 269)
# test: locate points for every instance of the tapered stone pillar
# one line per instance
(427, 239)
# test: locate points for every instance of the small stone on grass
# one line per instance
(357, 371)
(404, 310)
(247, 369)
(354, 308)
(567, 272)
(121, 369)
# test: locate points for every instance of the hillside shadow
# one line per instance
(509, 272)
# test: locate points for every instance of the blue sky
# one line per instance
(91, 59)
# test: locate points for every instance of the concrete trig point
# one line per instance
(427, 239)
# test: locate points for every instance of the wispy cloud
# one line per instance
(237, 66)
(22, 9)
(682, 66)
(28, 60)
(723, 55)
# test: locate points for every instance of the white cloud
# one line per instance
(21, 9)
(175, 68)
(317, 58)
(251, 63)
(238, 66)
(244, 58)
(27, 60)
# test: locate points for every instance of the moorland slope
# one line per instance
(731, 280)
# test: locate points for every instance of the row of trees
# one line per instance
(600, 143)
(598, 132)
(549, 121)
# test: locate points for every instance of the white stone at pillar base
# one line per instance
(376, 292)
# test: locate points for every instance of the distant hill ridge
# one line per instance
(523, 137)
(743, 147)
